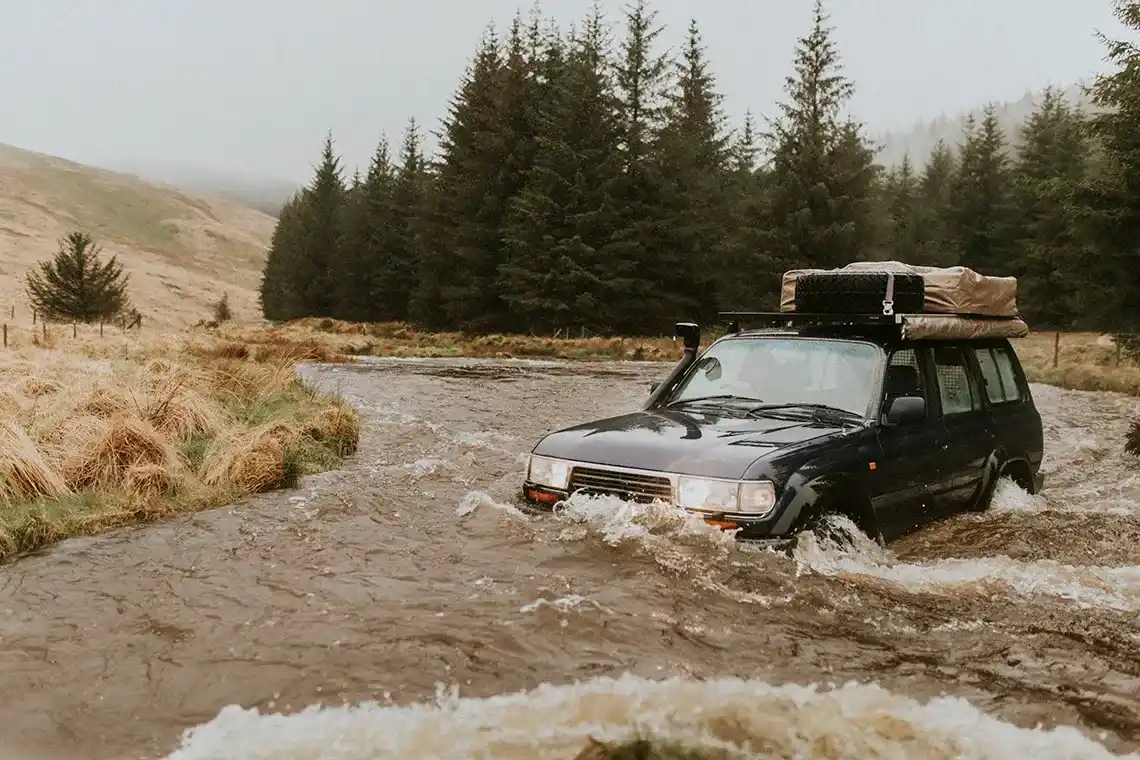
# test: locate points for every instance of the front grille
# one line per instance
(624, 485)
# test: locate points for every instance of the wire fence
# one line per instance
(44, 330)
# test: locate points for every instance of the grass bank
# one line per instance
(98, 435)
(1085, 361)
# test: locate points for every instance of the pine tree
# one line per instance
(901, 201)
(641, 79)
(76, 285)
(1107, 203)
(563, 218)
(222, 311)
(1053, 157)
(744, 150)
(460, 275)
(367, 243)
(395, 285)
(747, 269)
(982, 211)
(278, 293)
(693, 154)
(822, 168)
(933, 246)
(321, 225)
(644, 271)
(852, 190)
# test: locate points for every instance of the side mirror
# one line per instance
(907, 410)
(690, 332)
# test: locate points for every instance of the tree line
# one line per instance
(585, 180)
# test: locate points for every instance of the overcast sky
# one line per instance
(252, 86)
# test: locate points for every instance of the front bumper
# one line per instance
(753, 529)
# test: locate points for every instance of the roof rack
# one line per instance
(790, 318)
(924, 325)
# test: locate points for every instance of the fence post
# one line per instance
(74, 330)
(100, 328)
(34, 315)
(44, 323)
(1056, 348)
(5, 335)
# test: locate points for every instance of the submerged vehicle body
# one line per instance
(771, 429)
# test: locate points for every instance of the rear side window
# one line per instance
(955, 385)
(999, 375)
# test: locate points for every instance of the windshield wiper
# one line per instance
(722, 397)
(805, 406)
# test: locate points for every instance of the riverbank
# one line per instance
(99, 434)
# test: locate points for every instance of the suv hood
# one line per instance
(720, 444)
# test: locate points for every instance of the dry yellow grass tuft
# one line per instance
(254, 460)
(25, 473)
(95, 437)
(98, 452)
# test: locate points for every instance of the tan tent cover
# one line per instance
(950, 327)
(949, 290)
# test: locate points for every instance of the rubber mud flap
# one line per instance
(858, 293)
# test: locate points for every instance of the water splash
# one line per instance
(616, 520)
(748, 718)
(855, 554)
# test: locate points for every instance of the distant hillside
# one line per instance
(920, 139)
(182, 251)
(264, 194)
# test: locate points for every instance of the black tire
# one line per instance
(858, 293)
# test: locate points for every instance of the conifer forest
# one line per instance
(586, 180)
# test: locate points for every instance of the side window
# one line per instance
(955, 384)
(1010, 388)
(904, 376)
(991, 376)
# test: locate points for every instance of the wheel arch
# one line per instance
(809, 498)
(1019, 471)
(1000, 465)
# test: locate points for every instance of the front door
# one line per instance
(908, 475)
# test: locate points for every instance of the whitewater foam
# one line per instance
(1085, 585)
(733, 716)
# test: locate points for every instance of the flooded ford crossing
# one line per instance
(306, 624)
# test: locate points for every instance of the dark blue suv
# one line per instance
(772, 428)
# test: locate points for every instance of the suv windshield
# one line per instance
(784, 371)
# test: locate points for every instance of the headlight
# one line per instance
(749, 497)
(552, 473)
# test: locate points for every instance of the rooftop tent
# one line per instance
(946, 290)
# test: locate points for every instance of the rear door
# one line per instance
(908, 475)
(1016, 422)
(970, 437)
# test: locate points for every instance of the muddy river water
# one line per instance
(308, 624)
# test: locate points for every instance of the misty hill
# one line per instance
(182, 251)
(265, 194)
(920, 139)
